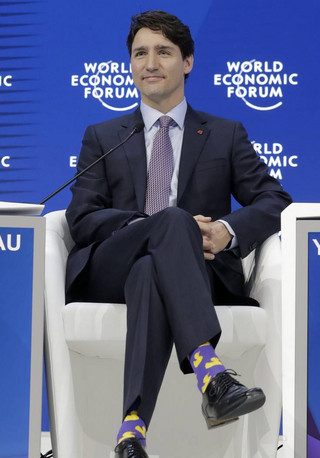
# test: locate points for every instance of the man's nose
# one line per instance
(152, 62)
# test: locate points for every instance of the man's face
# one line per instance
(158, 69)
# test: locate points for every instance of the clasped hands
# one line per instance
(215, 236)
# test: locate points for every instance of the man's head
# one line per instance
(161, 50)
(169, 25)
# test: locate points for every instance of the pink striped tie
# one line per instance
(160, 169)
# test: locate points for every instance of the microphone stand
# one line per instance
(138, 127)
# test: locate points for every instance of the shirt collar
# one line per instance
(151, 115)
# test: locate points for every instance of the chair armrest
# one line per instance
(58, 245)
(265, 279)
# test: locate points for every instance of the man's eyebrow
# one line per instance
(157, 47)
(140, 48)
(164, 47)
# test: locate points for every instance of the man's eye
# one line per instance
(140, 53)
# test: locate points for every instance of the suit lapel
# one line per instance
(135, 151)
(195, 136)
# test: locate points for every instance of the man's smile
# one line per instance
(152, 78)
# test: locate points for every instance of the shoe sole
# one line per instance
(249, 405)
(211, 423)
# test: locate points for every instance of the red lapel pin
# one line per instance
(200, 132)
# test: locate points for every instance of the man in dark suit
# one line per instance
(153, 227)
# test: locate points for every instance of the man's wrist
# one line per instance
(229, 243)
(233, 243)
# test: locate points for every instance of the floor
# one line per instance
(46, 445)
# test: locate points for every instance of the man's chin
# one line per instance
(153, 96)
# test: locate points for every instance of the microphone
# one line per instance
(137, 128)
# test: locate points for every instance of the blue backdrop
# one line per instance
(64, 65)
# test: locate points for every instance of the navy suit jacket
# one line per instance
(217, 161)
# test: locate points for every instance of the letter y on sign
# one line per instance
(317, 244)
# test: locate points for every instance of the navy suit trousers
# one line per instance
(157, 267)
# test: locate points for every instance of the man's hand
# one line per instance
(215, 236)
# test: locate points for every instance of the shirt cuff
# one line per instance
(234, 240)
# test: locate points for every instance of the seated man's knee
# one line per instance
(177, 219)
(176, 214)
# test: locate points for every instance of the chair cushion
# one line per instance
(99, 330)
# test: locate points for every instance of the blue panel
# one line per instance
(16, 267)
(313, 346)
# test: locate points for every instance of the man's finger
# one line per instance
(208, 256)
(204, 227)
(208, 245)
(204, 219)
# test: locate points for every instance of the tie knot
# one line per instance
(165, 121)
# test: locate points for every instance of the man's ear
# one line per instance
(188, 64)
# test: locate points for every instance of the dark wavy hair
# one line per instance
(169, 25)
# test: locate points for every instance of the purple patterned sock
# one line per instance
(205, 365)
(132, 426)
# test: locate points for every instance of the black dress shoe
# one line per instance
(130, 448)
(225, 399)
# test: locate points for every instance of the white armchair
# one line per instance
(84, 349)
